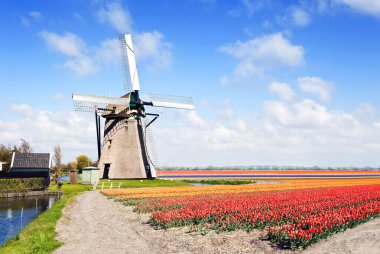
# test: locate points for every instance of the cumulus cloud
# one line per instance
(108, 51)
(282, 90)
(300, 17)
(35, 15)
(364, 6)
(116, 15)
(59, 97)
(153, 46)
(74, 48)
(67, 44)
(301, 132)
(305, 113)
(316, 86)
(82, 59)
(261, 53)
(74, 132)
(30, 18)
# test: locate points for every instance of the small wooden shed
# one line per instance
(90, 175)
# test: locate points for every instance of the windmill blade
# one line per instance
(129, 63)
(90, 103)
(169, 101)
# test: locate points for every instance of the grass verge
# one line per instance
(39, 236)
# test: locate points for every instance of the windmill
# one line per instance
(125, 153)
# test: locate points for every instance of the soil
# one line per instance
(95, 224)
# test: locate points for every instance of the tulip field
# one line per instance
(292, 213)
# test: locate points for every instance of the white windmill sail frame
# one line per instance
(87, 102)
(129, 62)
(170, 101)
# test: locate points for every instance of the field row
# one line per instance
(294, 214)
(290, 184)
(264, 172)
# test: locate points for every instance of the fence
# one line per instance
(110, 186)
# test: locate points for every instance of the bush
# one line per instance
(21, 184)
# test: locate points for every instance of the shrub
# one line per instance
(21, 184)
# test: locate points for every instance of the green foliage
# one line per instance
(82, 161)
(21, 184)
(6, 156)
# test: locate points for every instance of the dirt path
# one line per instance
(95, 224)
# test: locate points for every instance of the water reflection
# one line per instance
(17, 213)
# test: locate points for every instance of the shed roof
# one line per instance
(31, 160)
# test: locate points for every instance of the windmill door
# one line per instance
(106, 171)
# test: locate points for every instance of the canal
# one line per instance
(17, 213)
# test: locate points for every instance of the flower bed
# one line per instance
(293, 218)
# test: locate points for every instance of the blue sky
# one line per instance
(274, 82)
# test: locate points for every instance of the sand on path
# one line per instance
(95, 224)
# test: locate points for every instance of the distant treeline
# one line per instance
(253, 168)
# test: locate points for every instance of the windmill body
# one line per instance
(125, 153)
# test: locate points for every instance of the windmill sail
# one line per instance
(128, 150)
(129, 63)
(170, 101)
(90, 103)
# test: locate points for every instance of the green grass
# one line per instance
(218, 181)
(39, 236)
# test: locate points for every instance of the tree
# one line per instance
(82, 162)
(6, 156)
(25, 147)
(58, 161)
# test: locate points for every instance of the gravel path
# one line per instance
(95, 224)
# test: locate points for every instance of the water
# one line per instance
(17, 213)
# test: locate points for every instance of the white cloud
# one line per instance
(108, 52)
(73, 47)
(365, 108)
(117, 16)
(67, 44)
(82, 59)
(81, 65)
(59, 97)
(371, 7)
(153, 46)
(300, 17)
(24, 21)
(302, 132)
(35, 15)
(262, 53)
(44, 129)
(251, 6)
(316, 86)
(283, 90)
(30, 18)
(227, 111)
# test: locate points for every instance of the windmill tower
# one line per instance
(125, 151)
